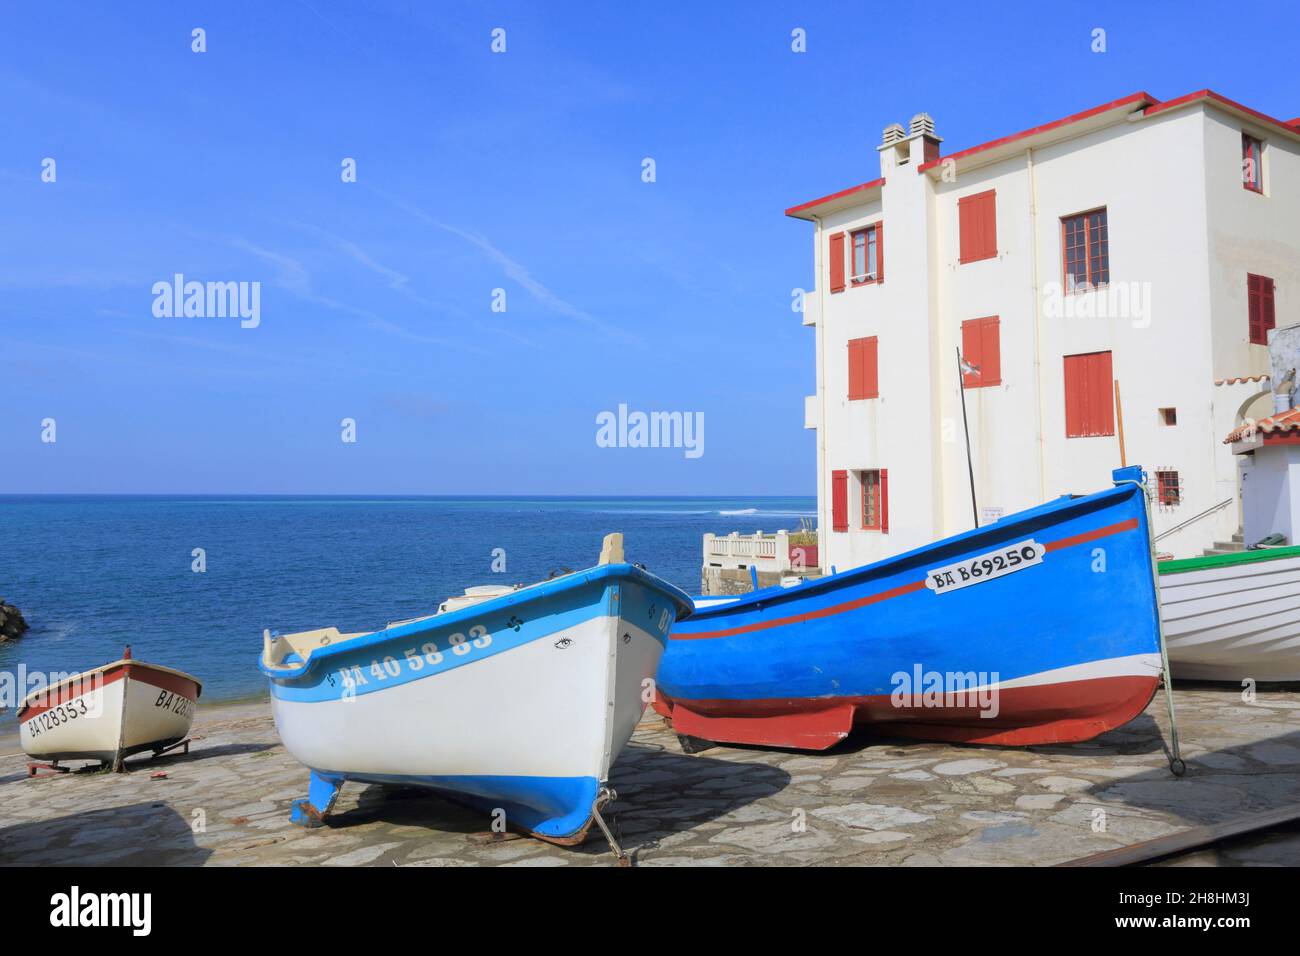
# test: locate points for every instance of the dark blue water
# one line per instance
(92, 574)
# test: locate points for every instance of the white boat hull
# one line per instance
(122, 708)
(1234, 622)
(517, 704)
(538, 721)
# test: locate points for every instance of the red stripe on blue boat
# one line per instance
(1097, 533)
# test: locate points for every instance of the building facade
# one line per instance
(1108, 281)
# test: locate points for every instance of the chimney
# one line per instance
(900, 146)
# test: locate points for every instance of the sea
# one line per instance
(191, 582)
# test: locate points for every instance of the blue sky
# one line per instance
(476, 171)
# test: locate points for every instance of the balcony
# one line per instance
(811, 307)
(777, 552)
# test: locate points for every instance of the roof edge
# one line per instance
(1148, 103)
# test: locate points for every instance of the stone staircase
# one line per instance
(1227, 547)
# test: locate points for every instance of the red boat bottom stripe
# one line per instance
(1064, 712)
(1105, 532)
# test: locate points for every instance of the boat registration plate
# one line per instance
(985, 567)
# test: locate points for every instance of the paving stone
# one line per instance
(870, 816)
(929, 803)
(962, 767)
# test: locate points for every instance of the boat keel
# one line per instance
(310, 811)
(805, 730)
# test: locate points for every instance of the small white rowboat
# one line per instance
(1233, 617)
(109, 713)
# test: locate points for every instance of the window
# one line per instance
(863, 379)
(1169, 417)
(980, 348)
(840, 500)
(1089, 404)
(875, 500)
(1168, 488)
(977, 226)
(1252, 163)
(866, 262)
(836, 256)
(1260, 311)
(1086, 247)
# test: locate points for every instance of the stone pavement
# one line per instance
(867, 802)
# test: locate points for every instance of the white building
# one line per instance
(1142, 244)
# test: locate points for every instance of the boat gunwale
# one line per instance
(104, 669)
(1211, 561)
(1038, 517)
(525, 595)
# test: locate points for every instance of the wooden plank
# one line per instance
(1193, 838)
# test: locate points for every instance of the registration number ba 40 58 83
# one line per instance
(985, 567)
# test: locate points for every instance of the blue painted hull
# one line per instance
(1056, 649)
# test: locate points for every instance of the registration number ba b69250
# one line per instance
(985, 567)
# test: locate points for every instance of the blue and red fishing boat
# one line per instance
(1040, 628)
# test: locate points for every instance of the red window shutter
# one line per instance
(1089, 395)
(855, 370)
(884, 501)
(977, 226)
(990, 351)
(965, 231)
(839, 501)
(1254, 309)
(880, 252)
(1268, 316)
(1260, 307)
(837, 262)
(972, 350)
(980, 347)
(870, 368)
(864, 380)
(1074, 374)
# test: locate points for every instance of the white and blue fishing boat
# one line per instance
(1040, 628)
(513, 700)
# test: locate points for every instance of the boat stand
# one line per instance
(310, 811)
(185, 744)
(604, 797)
(51, 769)
(1177, 766)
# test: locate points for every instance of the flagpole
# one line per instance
(970, 468)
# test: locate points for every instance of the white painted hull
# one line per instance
(537, 710)
(120, 707)
(1234, 622)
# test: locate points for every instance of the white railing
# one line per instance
(765, 551)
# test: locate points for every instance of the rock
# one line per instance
(12, 624)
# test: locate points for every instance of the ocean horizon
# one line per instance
(94, 573)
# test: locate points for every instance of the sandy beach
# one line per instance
(867, 802)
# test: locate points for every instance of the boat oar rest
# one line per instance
(288, 652)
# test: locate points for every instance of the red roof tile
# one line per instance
(1286, 421)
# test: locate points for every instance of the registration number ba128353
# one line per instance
(985, 567)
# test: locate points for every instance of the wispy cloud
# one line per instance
(513, 269)
(295, 278)
(396, 280)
